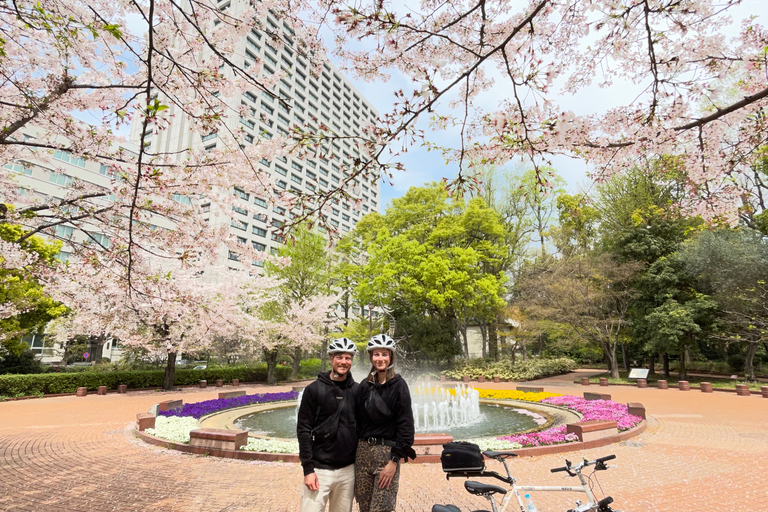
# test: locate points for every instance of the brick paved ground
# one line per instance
(77, 454)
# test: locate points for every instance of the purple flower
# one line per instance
(200, 409)
(591, 410)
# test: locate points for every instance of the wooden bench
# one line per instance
(636, 409)
(592, 430)
(218, 438)
(231, 394)
(529, 389)
(145, 420)
(596, 396)
(169, 405)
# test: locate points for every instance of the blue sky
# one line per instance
(422, 166)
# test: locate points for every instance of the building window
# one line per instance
(64, 231)
(259, 231)
(259, 246)
(259, 201)
(234, 257)
(281, 170)
(295, 179)
(19, 168)
(238, 224)
(181, 199)
(239, 210)
(242, 194)
(60, 179)
(66, 156)
(62, 256)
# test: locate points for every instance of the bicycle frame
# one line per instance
(515, 491)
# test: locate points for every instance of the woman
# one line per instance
(385, 429)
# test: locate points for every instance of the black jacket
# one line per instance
(398, 427)
(339, 452)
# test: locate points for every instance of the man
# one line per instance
(326, 432)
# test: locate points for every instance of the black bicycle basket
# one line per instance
(462, 456)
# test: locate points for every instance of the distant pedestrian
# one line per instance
(385, 428)
(326, 432)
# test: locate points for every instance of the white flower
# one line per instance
(173, 428)
(491, 443)
(271, 446)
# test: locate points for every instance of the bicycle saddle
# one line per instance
(493, 455)
(479, 488)
(445, 508)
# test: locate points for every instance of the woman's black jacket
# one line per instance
(398, 426)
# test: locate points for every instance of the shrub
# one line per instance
(52, 383)
(522, 370)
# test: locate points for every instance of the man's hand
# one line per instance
(387, 474)
(311, 482)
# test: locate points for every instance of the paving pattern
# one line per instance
(78, 454)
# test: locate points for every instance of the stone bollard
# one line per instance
(642, 383)
(764, 391)
(203, 384)
(219, 383)
(683, 385)
(662, 384)
(706, 387)
(465, 378)
(742, 390)
(496, 379)
(585, 381)
(603, 381)
(481, 378)
(442, 378)
(101, 390)
(122, 388)
(81, 392)
(235, 382)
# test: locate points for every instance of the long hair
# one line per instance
(390, 372)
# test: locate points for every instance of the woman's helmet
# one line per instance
(342, 345)
(381, 341)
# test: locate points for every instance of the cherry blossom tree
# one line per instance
(688, 88)
(169, 311)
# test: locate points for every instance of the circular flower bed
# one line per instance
(176, 424)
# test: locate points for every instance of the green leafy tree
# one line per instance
(308, 275)
(431, 254)
(24, 305)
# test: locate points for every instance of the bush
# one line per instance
(26, 362)
(310, 368)
(522, 370)
(53, 383)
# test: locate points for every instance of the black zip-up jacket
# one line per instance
(339, 452)
(399, 427)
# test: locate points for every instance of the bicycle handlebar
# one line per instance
(556, 470)
(599, 463)
(606, 458)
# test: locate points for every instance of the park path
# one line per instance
(78, 454)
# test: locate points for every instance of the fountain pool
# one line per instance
(457, 411)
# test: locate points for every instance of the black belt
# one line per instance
(378, 441)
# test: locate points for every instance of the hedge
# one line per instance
(53, 383)
(531, 369)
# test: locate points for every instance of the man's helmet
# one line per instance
(381, 341)
(342, 345)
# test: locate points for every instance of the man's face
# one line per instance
(341, 362)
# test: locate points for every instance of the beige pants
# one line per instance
(337, 488)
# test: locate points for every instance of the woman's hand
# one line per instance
(387, 474)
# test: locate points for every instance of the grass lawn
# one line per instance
(717, 381)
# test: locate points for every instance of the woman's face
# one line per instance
(380, 358)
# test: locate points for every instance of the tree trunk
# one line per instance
(270, 356)
(624, 357)
(525, 350)
(296, 363)
(613, 363)
(749, 362)
(541, 343)
(324, 355)
(493, 342)
(170, 371)
(652, 365)
(484, 337)
(665, 364)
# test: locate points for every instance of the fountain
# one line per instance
(437, 408)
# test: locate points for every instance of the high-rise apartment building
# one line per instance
(299, 98)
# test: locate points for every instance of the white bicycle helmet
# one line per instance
(342, 345)
(381, 341)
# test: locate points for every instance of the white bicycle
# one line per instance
(487, 490)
